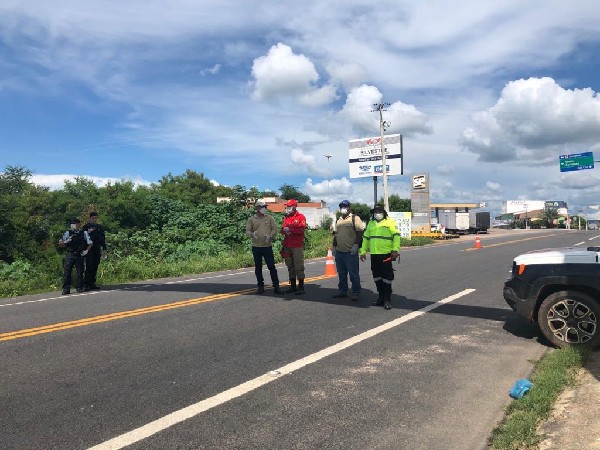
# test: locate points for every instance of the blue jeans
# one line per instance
(347, 265)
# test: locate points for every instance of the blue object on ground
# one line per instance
(520, 388)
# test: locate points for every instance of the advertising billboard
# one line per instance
(365, 156)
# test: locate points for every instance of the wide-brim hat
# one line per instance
(378, 207)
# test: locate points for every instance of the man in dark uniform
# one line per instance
(92, 260)
(78, 244)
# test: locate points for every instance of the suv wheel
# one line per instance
(570, 318)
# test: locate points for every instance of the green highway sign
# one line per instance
(576, 161)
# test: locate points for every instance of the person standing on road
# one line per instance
(92, 260)
(382, 241)
(294, 229)
(78, 244)
(261, 229)
(347, 236)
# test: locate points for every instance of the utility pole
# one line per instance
(383, 125)
(328, 175)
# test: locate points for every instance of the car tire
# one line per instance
(570, 318)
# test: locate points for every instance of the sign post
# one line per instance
(576, 161)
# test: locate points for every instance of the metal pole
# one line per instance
(401, 156)
(383, 161)
(328, 176)
(374, 190)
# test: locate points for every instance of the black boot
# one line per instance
(292, 287)
(387, 302)
(260, 289)
(300, 290)
(379, 300)
(277, 289)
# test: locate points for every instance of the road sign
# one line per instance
(576, 161)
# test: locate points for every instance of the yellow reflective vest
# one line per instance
(381, 238)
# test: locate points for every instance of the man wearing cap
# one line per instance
(261, 229)
(347, 235)
(293, 229)
(78, 244)
(92, 260)
(382, 241)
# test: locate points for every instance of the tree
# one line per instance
(398, 204)
(191, 188)
(549, 215)
(289, 191)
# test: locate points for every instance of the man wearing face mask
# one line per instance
(92, 260)
(261, 229)
(347, 235)
(382, 241)
(78, 244)
(293, 229)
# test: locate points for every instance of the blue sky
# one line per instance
(486, 94)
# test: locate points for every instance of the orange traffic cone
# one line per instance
(329, 264)
(477, 242)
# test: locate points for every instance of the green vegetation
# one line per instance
(552, 374)
(171, 228)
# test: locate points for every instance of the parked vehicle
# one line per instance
(454, 222)
(560, 290)
(479, 221)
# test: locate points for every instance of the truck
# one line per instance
(479, 221)
(454, 222)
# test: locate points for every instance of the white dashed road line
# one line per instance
(188, 412)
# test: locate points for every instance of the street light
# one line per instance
(328, 175)
(383, 126)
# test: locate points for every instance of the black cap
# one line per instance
(74, 220)
(344, 203)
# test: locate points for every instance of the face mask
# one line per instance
(289, 210)
(262, 211)
(73, 226)
(344, 211)
(378, 216)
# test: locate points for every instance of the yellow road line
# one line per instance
(131, 313)
(506, 243)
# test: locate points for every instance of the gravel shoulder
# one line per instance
(575, 421)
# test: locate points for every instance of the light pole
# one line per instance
(383, 125)
(328, 175)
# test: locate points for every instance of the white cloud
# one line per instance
(58, 181)
(211, 70)
(349, 75)
(282, 73)
(332, 191)
(493, 187)
(405, 119)
(533, 120)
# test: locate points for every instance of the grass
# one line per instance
(136, 268)
(552, 374)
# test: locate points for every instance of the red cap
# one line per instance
(291, 202)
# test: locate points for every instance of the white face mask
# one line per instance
(73, 226)
(344, 211)
(289, 210)
(378, 216)
(262, 211)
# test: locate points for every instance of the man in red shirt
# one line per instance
(293, 229)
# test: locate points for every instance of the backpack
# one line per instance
(354, 228)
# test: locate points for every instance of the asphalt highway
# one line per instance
(202, 362)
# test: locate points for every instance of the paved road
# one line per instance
(203, 363)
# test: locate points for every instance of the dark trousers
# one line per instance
(383, 273)
(267, 253)
(92, 261)
(71, 260)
